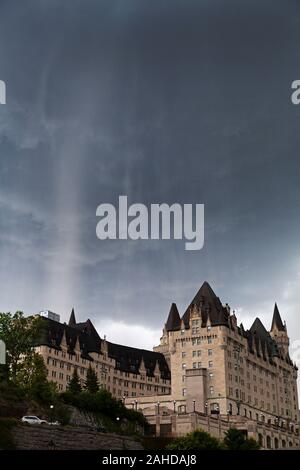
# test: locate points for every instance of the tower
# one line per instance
(279, 332)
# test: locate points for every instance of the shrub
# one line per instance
(237, 440)
(197, 440)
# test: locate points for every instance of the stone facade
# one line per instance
(205, 365)
(219, 368)
(124, 371)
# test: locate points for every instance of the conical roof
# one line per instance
(173, 321)
(276, 321)
(72, 320)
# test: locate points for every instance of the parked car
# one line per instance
(33, 420)
(54, 423)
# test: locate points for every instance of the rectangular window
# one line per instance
(210, 352)
(210, 364)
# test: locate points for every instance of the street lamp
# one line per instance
(174, 403)
(136, 403)
(51, 412)
(158, 407)
(206, 406)
(194, 405)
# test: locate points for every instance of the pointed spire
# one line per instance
(72, 321)
(173, 321)
(277, 322)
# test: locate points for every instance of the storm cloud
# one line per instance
(175, 101)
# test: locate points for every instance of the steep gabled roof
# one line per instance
(129, 359)
(173, 321)
(263, 338)
(276, 321)
(210, 306)
(52, 333)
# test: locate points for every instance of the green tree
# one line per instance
(91, 383)
(32, 376)
(197, 440)
(74, 384)
(19, 334)
(237, 440)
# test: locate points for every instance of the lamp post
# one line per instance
(158, 407)
(51, 413)
(124, 399)
(194, 405)
(174, 403)
(136, 404)
(205, 407)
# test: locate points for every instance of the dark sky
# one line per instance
(174, 101)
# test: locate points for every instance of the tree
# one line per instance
(197, 440)
(237, 440)
(32, 376)
(91, 383)
(74, 384)
(19, 334)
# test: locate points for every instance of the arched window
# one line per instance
(276, 443)
(283, 443)
(181, 409)
(261, 440)
(269, 444)
(214, 408)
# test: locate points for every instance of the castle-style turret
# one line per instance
(173, 321)
(279, 332)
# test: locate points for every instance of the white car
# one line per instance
(33, 420)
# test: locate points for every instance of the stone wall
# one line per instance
(178, 425)
(43, 437)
